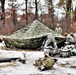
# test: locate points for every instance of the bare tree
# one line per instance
(36, 11)
(26, 12)
(3, 9)
(51, 12)
(13, 11)
(68, 13)
(75, 14)
(67, 5)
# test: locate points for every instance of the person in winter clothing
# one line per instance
(50, 44)
(58, 29)
(70, 38)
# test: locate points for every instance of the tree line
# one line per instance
(35, 5)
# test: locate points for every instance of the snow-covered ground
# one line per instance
(64, 66)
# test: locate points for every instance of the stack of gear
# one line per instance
(64, 52)
(67, 51)
(45, 63)
(69, 48)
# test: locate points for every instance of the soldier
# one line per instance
(50, 44)
(70, 38)
(73, 38)
(66, 41)
(58, 29)
(65, 34)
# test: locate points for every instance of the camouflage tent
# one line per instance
(29, 37)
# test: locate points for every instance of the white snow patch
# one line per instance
(28, 68)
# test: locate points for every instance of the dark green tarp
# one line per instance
(31, 36)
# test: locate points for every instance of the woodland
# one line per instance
(45, 11)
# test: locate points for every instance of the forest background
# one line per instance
(15, 14)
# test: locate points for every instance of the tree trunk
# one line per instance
(3, 9)
(51, 11)
(68, 13)
(75, 14)
(8, 59)
(26, 12)
(36, 11)
(14, 17)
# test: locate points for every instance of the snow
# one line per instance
(64, 66)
